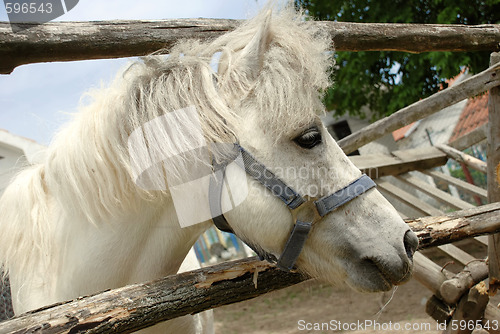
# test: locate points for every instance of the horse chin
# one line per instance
(375, 283)
(362, 275)
(367, 277)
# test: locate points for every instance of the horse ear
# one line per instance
(251, 57)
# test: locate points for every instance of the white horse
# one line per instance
(83, 221)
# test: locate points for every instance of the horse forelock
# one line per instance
(295, 70)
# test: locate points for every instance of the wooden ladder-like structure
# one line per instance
(408, 180)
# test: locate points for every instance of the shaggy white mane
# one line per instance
(87, 172)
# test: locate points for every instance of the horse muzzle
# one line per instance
(381, 266)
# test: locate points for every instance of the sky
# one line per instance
(36, 99)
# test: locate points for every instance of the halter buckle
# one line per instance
(307, 211)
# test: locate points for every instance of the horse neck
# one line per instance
(147, 245)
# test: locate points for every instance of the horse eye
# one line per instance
(309, 139)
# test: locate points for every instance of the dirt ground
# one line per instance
(312, 307)
(300, 308)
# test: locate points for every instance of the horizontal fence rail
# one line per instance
(67, 41)
(137, 306)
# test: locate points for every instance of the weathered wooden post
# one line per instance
(493, 186)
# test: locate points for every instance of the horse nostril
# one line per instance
(411, 243)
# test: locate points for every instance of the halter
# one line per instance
(305, 210)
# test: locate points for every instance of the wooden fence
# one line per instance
(141, 305)
(66, 41)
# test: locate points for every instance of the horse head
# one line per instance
(272, 78)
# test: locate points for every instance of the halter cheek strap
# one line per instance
(305, 211)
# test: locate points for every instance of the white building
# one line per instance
(15, 153)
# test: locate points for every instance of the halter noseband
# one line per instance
(305, 210)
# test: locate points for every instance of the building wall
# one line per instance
(15, 153)
(437, 128)
(385, 145)
(11, 160)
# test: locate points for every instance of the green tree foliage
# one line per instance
(388, 81)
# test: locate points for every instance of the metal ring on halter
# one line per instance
(307, 211)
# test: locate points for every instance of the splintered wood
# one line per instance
(455, 226)
(137, 306)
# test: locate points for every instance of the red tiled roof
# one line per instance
(400, 133)
(452, 81)
(473, 116)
